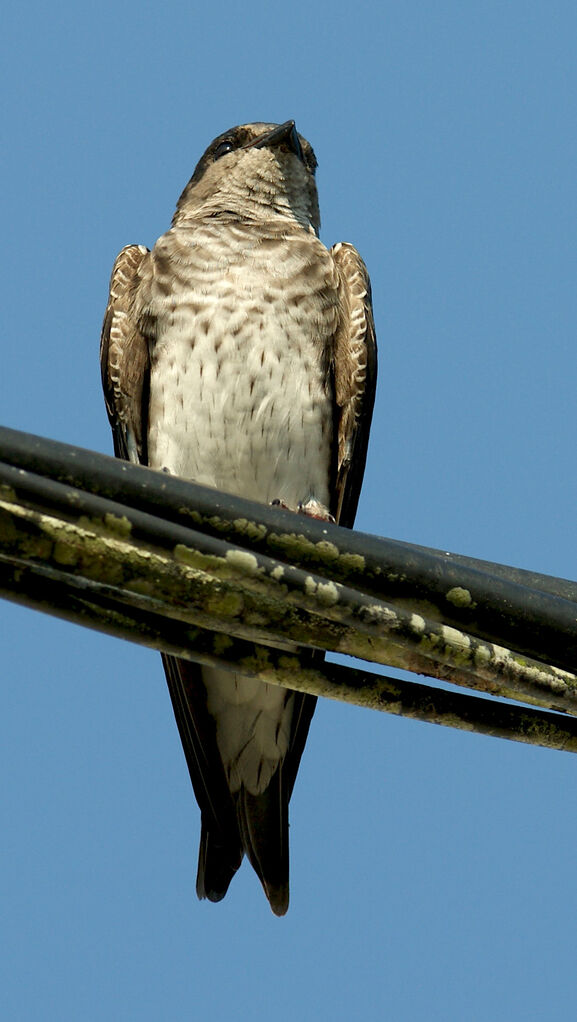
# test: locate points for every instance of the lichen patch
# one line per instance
(460, 597)
(242, 561)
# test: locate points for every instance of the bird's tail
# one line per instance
(235, 823)
(263, 825)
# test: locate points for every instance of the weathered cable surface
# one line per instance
(186, 570)
(95, 607)
(531, 613)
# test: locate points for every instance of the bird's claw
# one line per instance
(311, 508)
(314, 509)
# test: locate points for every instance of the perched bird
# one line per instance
(240, 353)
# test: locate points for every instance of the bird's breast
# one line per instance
(241, 393)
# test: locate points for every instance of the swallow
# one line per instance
(240, 352)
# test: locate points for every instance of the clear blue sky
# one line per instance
(433, 872)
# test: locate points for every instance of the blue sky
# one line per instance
(433, 872)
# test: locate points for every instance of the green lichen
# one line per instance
(118, 525)
(252, 530)
(223, 603)
(258, 662)
(8, 494)
(460, 597)
(65, 553)
(221, 644)
(142, 586)
(193, 558)
(352, 562)
(194, 516)
(294, 544)
(328, 551)
(289, 664)
(218, 524)
(8, 531)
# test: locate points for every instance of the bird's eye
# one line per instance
(223, 148)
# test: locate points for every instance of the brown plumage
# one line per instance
(240, 352)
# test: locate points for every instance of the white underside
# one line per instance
(248, 420)
(239, 401)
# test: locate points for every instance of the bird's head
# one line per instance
(257, 172)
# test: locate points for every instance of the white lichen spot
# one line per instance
(453, 637)
(460, 597)
(277, 573)
(310, 586)
(375, 614)
(482, 655)
(418, 623)
(328, 593)
(243, 561)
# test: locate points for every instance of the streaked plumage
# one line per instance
(240, 352)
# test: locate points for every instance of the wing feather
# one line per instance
(355, 377)
(124, 358)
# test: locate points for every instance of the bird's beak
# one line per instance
(284, 134)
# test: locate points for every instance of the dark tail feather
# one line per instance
(263, 824)
(263, 819)
(215, 869)
(220, 853)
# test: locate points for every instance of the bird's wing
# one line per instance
(355, 378)
(125, 368)
(124, 358)
(354, 370)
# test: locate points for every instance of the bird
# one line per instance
(239, 352)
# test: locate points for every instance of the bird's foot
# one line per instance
(311, 508)
(282, 505)
(314, 509)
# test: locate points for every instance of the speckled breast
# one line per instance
(241, 394)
